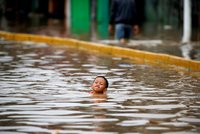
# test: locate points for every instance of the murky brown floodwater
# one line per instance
(45, 88)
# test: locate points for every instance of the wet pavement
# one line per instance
(167, 42)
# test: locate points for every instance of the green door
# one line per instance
(102, 18)
(80, 17)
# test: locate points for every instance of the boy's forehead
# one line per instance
(99, 79)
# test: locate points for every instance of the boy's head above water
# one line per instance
(99, 85)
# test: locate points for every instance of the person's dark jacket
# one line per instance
(123, 11)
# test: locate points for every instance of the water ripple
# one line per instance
(45, 89)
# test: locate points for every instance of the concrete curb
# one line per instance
(181, 64)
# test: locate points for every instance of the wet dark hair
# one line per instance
(107, 84)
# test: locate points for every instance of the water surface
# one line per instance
(44, 89)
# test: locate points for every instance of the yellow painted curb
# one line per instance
(146, 57)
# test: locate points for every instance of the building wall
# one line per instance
(155, 16)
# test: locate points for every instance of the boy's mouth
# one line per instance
(96, 86)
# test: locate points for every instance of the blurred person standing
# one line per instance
(123, 20)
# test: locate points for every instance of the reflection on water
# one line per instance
(45, 89)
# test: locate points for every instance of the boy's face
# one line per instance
(99, 85)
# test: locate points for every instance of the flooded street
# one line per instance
(45, 89)
(157, 41)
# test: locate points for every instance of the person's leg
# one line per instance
(123, 41)
(120, 33)
(127, 32)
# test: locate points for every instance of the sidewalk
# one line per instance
(188, 51)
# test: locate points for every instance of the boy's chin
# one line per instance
(98, 91)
